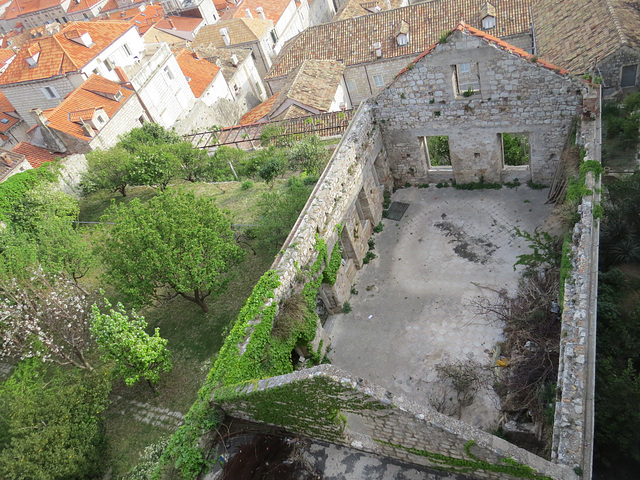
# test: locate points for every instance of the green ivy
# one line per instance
(13, 189)
(330, 273)
(473, 463)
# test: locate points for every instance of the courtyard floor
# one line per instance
(414, 308)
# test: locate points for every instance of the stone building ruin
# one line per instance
(473, 89)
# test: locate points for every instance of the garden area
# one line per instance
(130, 292)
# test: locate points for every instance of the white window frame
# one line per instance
(50, 92)
(464, 68)
(351, 86)
(378, 81)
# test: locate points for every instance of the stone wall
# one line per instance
(515, 96)
(574, 414)
(349, 183)
(330, 404)
(610, 70)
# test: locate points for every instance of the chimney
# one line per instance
(225, 36)
(88, 131)
(247, 13)
(51, 140)
(234, 59)
(378, 48)
(261, 14)
(121, 75)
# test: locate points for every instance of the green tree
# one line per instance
(52, 423)
(516, 149)
(108, 170)
(439, 154)
(273, 162)
(279, 212)
(175, 244)
(123, 339)
(148, 134)
(154, 165)
(194, 162)
(307, 155)
(14, 189)
(223, 159)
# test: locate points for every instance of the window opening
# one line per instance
(515, 149)
(466, 79)
(377, 79)
(436, 150)
(629, 76)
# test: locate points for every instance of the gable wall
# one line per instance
(610, 70)
(516, 96)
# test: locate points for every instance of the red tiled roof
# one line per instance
(82, 104)
(200, 73)
(36, 156)
(22, 7)
(6, 54)
(185, 24)
(59, 55)
(258, 113)
(6, 121)
(273, 9)
(5, 104)
(501, 44)
(113, 5)
(144, 20)
(81, 5)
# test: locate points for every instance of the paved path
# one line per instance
(414, 307)
(144, 412)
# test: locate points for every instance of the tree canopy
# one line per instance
(175, 244)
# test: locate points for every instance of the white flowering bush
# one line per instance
(45, 316)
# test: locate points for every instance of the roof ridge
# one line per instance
(616, 22)
(64, 51)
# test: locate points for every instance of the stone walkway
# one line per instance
(146, 413)
(414, 308)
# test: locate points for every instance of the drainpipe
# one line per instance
(368, 81)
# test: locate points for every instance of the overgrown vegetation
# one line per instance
(621, 122)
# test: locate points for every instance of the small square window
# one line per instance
(488, 22)
(629, 76)
(463, 68)
(466, 80)
(377, 79)
(351, 86)
(169, 73)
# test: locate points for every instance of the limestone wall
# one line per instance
(327, 403)
(574, 415)
(513, 95)
(610, 70)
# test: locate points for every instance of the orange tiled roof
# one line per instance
(273, 9)
(7, 121)
(113, 5)
(82, 5)
(82, 104)
(184, 24)
(6, 54)
(258, 113)
(577, 33)
(198, 71)
(5, 104)
(144, 20)
(36, 156)
(501, 44)
(59, 55)
(23, 7)
(351, 41)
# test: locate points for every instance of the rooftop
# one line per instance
(143, 17)
(241, 30)
(358, 8)
(223, 57)
(578, 33)
(258, 112)
(273, 9)
(96, 93)
(351, 40)
(23, 7)
(59, 55)
(199, 72)
(36, 156)
(9, 161)
(80, 5)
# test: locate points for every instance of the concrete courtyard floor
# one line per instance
(414, 305)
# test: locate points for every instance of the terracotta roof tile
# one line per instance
(198, 71)
(81, 5)
(577, 33)
(258, 113)
(9, 161)
(358, 8)
(36, 156)
(22, 7)
(351, 40)
(59, 55)
(185, 24)
(82, 104)
(273, 9)
(113, 5)
(241, 30)
(5, 104)
(6, 54)
(144, 20)
(7, 121)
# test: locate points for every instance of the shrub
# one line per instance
(246, 185)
